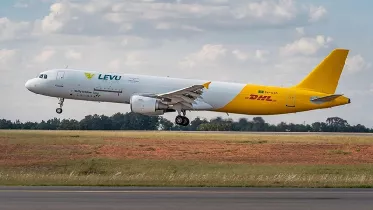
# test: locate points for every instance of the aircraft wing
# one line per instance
(185, 96)
(326, 98)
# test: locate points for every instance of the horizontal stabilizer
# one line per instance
(326, 98)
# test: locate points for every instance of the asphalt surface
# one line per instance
(84, 198)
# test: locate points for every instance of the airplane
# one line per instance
(155, 95)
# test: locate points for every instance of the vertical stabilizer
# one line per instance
(325, 76)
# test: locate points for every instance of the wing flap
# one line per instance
(185, 96)
(194, 90)
(186, 99)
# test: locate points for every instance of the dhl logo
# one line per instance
(260, 97)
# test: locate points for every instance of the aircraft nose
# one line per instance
(30, 85)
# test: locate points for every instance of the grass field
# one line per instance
(184, 159)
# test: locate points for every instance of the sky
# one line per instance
(267, 42)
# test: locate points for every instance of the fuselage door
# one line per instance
(59, 79)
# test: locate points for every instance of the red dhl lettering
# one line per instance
(259, 97)
(252, 96)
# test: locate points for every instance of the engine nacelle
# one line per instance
(147, 105)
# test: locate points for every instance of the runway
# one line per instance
(88, 198)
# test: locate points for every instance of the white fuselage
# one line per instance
(118, 88)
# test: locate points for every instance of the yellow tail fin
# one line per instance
(324, 78)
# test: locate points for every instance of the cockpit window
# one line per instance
(43, 76)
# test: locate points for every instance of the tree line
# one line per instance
(134, 121)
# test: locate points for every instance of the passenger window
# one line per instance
(45, 76)
(41, 76)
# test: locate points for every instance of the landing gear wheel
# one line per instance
(185, 121)
(59, 110)
(179, 120)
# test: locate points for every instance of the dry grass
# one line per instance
(95, 137)
(186, 173)
(184, 159)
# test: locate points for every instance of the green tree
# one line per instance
(282, 127)
(194, 124)
(53, 124)
(258, 124)
(117, 121)
(165, 124)
(316, 127)
(243, 125)
(6, 124)
(43, 126)
(17, 125)
(337, 124)
(135, 121)
(30, 125)
(69, 124)
(106, 122)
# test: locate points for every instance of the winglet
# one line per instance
(206, 85)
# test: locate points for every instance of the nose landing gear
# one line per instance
(59, 110)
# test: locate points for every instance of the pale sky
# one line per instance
(270, 42)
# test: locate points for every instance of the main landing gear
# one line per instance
(59, 110)
(182, 120)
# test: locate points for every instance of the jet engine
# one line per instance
(147, 105)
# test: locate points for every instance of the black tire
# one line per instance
(59, 110)
(179, 120)
(185, 121)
